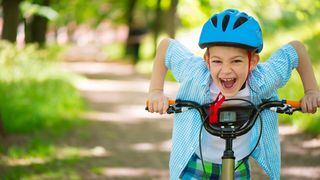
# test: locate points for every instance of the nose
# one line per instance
(226, 69)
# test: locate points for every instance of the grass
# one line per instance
(37, 94)
(39, 104)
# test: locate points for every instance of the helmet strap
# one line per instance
(249, 63)
(208, 61)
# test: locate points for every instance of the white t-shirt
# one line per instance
(213, 146)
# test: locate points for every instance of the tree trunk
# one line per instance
(172, 18)
(2, 131)
(39, 29)
(130, 49)
(157, 25)
(10, 19)
(36, 27)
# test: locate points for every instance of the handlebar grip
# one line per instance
(293, 103)
(170, 102)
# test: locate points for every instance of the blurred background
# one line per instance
(74, 78)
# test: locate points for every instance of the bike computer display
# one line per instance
(227, 117)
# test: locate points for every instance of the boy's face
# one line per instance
(229, 67)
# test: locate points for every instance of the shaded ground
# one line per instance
(122, 141)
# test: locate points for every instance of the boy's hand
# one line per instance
(310, 102)
(157, 102)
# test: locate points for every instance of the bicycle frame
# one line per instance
(227, 129)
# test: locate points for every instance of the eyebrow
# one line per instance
(230, 58)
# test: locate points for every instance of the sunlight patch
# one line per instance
(62, 153)
(26, 162)
(135, 172)
(97, 151)
(112, 85)
(302, 172)
(287, 130)
(122, 86)
(136, 116)
(314, 143)
(99, 68)
(163, 146)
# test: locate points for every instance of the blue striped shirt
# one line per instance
(194, 78)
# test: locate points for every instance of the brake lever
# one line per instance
(177, 109)
(285, 109)
(171, 110)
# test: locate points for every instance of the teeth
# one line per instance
(228, 79)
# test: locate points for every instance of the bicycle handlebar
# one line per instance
(293, 103)
(284, 106)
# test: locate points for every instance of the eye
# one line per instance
(237, 61)
(216, 61)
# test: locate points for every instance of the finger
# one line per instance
(155, 107)
(318, 102)
(314, 106)
(303, 106)
(165, 106)
(160, 107)
(308, 107)
(150, 107)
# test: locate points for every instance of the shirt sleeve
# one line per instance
(278, 68)
(178, 59)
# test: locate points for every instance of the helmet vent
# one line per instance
(239, 22)
(214, 21)
(225, 22)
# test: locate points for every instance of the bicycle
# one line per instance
(233, 121)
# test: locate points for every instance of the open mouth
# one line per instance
(228, 83)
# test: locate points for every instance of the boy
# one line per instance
(228, 69)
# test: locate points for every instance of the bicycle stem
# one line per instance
(228, 160)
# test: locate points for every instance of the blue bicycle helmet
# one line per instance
(232, 27)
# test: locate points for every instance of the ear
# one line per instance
(206, 57)
(254, 61)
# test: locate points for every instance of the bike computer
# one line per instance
(227, 117)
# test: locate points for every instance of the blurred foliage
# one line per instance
(28, 10)
(272, 14)
(37, 94)
(281, 21)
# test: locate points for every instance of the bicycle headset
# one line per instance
(234, 28)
